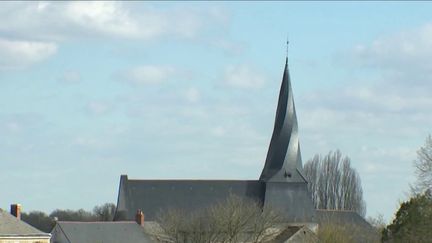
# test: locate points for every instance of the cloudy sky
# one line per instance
(90, 91)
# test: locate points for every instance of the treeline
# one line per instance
(413, 220)
(45, 222)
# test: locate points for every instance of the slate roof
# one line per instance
(285, 234)
(295, 233)
(11, 226)
(361, 230)
(342, 217)
(106, 232)
(152, 196)
(304, 235)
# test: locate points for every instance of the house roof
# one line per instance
(295, 233)
(285, 234)
(106, 232)
(342, 217)
(11, 226)
(360, 229)
(304, 234)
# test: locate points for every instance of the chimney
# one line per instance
(139, 217)
(15, 210)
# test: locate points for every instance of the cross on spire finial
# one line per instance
(287, 44)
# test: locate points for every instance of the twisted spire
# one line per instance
(283, 162)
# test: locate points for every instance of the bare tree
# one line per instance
(46, 222)
(72, 215)
(334, 184)
(233, 220)
(423, 167)
(377, 222)
(39, 220)
(105, 212)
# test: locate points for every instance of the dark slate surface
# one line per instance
(293, 199)
(151, 196)
(283, 162)
(106, 232)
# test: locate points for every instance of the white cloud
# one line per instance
(218, 131)
(372, 98)
(66, 20)
(70, 76)
(46, 24)
(13, 127)
(381, 118)
(148, 74)
(17, 53)
(23, 123)
(230, 47)
(106, 18)
(98, 107)
(91, 143)
(244, 77)
(192, 95)
(408, 49)
(366, 111)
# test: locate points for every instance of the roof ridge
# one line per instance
(191, 180)
(93, 222)
(337, 210)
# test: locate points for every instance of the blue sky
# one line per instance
(93, 90)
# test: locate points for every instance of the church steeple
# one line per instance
(283, 162)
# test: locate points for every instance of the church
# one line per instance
(281, 185)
